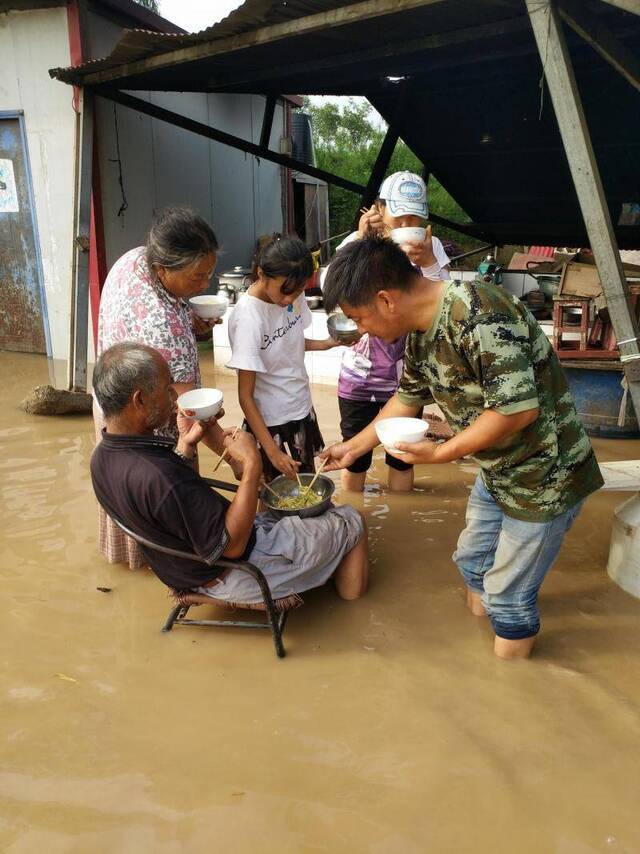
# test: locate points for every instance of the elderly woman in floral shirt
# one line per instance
(144, 299)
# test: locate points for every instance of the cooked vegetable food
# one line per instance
(297, 502)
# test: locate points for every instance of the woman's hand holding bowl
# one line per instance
(202, 326)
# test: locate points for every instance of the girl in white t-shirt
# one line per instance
(266, 331)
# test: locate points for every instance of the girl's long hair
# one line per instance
(287, 257)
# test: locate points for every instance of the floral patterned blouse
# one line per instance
(134, 306)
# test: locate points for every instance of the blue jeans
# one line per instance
(506, 560)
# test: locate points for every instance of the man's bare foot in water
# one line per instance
(508, 649)
(474, 604)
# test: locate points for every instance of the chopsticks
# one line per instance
(272, 491)
(308, 489)
(302, 490)
(225, 452)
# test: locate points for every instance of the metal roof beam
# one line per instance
(602, 40)
(185, 123)
(377, 172)
(264, 35)
(267, 122)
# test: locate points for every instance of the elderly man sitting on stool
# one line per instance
(150, 485)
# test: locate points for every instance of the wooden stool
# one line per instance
(560, 324)
(634, 290)
(602, 336)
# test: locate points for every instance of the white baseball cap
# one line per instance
(405, 193)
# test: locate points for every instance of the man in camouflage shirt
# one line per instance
(478, 353)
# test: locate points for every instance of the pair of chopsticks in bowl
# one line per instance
(302, 489)
(307, 490)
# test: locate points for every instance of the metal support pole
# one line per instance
(82, 220)
(267, 121)
(558, 71)
(379, 168)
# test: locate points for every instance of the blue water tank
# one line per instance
(302, 139)
(597, 394)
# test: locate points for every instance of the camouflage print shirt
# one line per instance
(485, 350)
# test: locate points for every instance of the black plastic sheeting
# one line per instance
(491, 138)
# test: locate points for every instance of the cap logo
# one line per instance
(410, 190)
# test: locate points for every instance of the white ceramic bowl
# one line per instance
(390, 431)
(411, 233)
(203, 402)
(209, 306)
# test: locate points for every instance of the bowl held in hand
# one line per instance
(390, 431)
(341, 328)
(201, 403)
(209, 306)
(410, 234)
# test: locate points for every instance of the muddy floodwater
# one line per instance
(389, 728)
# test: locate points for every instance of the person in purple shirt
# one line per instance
(371, 368)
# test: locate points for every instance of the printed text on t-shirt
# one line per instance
(280, 332)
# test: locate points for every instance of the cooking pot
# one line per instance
(287, 488)
(548, 283)
(234, 282)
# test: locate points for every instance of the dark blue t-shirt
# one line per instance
(140, 482)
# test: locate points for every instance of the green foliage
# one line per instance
(347, 142)
(152, 5)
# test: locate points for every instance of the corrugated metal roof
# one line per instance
(139, 43)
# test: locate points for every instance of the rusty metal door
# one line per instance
(23, 322)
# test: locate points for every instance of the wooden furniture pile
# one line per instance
(580, 307)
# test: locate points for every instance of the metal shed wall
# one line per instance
(164, 165)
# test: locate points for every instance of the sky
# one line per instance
(194, 15)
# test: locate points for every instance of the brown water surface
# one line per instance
(390, 728)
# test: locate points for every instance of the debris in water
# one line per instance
(104, 589)
(65, 678)
(47, 400)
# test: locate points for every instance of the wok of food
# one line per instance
(288, 498)
(304, 498)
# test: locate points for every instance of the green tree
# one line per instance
(346, 142)
(152, 5)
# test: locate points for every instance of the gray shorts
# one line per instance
(294, 554)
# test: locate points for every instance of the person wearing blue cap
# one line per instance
(401, 204)
(371, 368)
